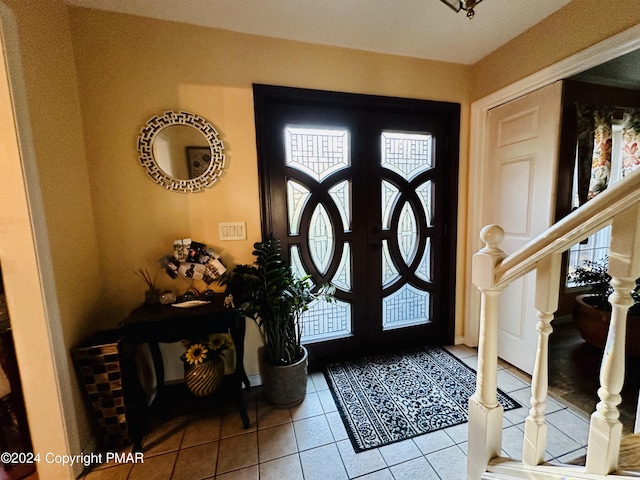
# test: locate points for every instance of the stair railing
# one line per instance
(492, 272)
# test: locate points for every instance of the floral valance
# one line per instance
(594, 126)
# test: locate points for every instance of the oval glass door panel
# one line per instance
(321, 238)
(407, 233)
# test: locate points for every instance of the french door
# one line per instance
(361, 192)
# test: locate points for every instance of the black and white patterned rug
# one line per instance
(387, 398)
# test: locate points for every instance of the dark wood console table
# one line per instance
(157, 323)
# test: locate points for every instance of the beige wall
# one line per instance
(52, 285)
(580, 24)
(130, 68)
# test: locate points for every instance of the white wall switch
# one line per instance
(232, 230)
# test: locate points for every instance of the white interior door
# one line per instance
(520, 187)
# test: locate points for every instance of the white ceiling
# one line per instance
(415, 28)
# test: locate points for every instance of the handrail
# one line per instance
(573, 228)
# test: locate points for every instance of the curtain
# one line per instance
(594, 149)
(630, 154)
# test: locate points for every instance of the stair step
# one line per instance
(629, 462)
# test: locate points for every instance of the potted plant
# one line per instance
(275, 299)
(592, 310)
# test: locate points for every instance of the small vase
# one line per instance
(205, 378)
(152, 295)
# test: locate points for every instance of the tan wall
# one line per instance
(46, 322)
(580, 24)
(130, 68)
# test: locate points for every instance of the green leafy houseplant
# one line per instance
(593, 274)
(275, 299)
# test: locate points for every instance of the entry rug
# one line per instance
(387, 398)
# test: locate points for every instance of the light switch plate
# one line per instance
(232, 230)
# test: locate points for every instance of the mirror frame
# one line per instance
(145, 149)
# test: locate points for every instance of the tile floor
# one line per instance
(310, 442)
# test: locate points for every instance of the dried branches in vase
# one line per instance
(152, 294)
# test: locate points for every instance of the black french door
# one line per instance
(362, 193)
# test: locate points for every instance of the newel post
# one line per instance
(485, 413)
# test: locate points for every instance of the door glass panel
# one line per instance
(297, 198)
(389, 271)
(425, 194)
(324, 321)
(342, 278)
(390, 194)
(405, 307)
(341, 195)
(407, 154)
(297, 268)
(407, 233)
(424, 268)
(321, 238)
(317, 152)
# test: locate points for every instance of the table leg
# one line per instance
(237, 328)
(240, 401)
(158, 365)
(135, 396)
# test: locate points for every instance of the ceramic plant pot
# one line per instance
(285, 386)
(593, 325)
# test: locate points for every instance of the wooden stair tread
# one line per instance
(629, 462)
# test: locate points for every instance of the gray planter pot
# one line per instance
(285, 386)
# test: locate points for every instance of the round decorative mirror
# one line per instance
(181, 151)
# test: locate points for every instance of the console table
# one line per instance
(157, 323)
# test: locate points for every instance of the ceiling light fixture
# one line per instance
(466, 5)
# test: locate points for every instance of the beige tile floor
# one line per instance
(310, 442)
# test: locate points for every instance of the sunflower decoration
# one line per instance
(196, 354)
(203, 350)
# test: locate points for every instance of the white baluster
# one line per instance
(535, 429)
(485, 413)
(605, 431)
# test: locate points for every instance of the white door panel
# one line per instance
(520, 187)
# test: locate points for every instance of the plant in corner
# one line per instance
(275, 299)
(592, 310)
